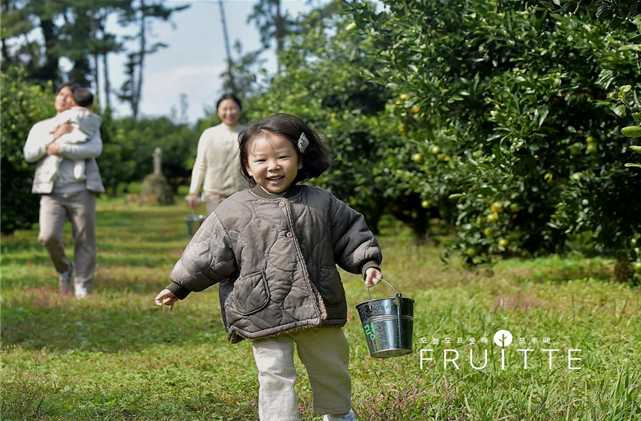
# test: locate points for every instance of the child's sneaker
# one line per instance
(350, 416)
(65, 281)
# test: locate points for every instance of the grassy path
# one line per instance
(115, 356)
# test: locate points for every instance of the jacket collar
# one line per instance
(293, 191)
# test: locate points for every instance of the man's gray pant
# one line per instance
(80, 209)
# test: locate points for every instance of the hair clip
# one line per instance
(303, 142)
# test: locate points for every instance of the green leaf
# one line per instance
(543, 115)
(633, 47)
(631, 131)
(620, 110)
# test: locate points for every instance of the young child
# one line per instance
(85, 125)
(274, 249)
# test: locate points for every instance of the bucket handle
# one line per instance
(398, 300)
(398, 294)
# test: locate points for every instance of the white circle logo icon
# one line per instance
(502, 338)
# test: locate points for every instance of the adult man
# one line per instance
(67, 197)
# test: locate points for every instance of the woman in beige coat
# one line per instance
(217, 167)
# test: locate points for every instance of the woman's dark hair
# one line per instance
(315, 158)
(232, 97)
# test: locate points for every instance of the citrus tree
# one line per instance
(319, 82)
(507, 105)
(23, 104)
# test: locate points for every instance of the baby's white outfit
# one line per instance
(85, 125)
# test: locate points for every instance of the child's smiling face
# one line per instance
(273, 162)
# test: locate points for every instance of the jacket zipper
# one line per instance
(301, 258)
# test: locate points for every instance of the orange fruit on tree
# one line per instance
(497, 207)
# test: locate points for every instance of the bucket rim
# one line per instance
(384, 299)
(194, 218)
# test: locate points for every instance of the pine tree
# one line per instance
(141, 14)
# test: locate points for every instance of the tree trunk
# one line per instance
(279, 33)
(5, 53)
(96, 61)
(623, 269)
(280, 29)
(230, 64)
(96, 79)
(100, 23)
(137, 88)
(81, 65)
(106, 82)
(50, 70)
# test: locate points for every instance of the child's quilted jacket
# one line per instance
(275, 260)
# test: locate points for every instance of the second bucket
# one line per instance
(193, 223)
(388, 324)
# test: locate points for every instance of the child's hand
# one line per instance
(166, 298)
(62, 129)
(53, 148)
(373, 277)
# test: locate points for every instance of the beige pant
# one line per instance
(325, 354)
(80, 209)
(212, 200)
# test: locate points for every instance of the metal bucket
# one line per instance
(193, 223)
(388, 324)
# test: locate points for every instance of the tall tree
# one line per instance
(74, 41)
(230, 64)
(240, 76)
(142, 13)
(105, 43)
(73, 29)
(272, 23)
(19, 19)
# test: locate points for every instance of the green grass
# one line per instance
(115, 356)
